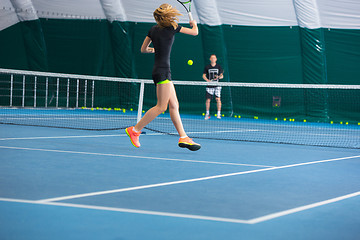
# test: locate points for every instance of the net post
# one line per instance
(23, 92)
(77, 93)
(35, 87)
(85, 93)
(141, 99)
(57, 92)
(67, 93)
(46, 91)
(92, 93)
(11, 89)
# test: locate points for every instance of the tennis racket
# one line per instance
(187, 6)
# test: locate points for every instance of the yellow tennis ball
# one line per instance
(190, 62)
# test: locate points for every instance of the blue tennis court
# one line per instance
(76, 184)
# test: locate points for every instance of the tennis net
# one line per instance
(317, 115)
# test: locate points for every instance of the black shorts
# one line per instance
(161, 74)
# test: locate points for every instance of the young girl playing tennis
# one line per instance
(162, 37)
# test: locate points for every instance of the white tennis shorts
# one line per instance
(213, 91)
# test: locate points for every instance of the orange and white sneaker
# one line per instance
(134, 136)
(189, 144)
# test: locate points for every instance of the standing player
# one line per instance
(212, 73)
(162, 37)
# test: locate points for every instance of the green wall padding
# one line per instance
(12, 48)
(248, 54)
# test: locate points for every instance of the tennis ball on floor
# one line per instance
(190, 62)
(124, 110)
(203, 114)
(131, 109)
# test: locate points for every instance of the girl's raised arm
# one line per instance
(191, 31)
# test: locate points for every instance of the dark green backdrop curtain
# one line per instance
(248, 54)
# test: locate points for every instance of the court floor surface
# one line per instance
(75, 184)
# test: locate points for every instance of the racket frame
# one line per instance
(188, 10)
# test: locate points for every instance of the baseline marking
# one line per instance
(92, 207)
(189, 180)
(190, 216)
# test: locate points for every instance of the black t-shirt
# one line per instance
(212, 72)
(163, 39)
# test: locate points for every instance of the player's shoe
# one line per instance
(218, 116)
(189, 144)
(134, 136)
(207, 117)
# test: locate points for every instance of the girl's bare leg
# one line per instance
(163, 92)
(174, 111)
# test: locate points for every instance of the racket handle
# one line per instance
(190, 17)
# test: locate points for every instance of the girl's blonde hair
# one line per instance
(166, 16)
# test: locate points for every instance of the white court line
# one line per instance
(190, 216)
(134, 156)
(189, 180)
(60, 137)
(157, 213)
(84, 136)
(302, 208)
